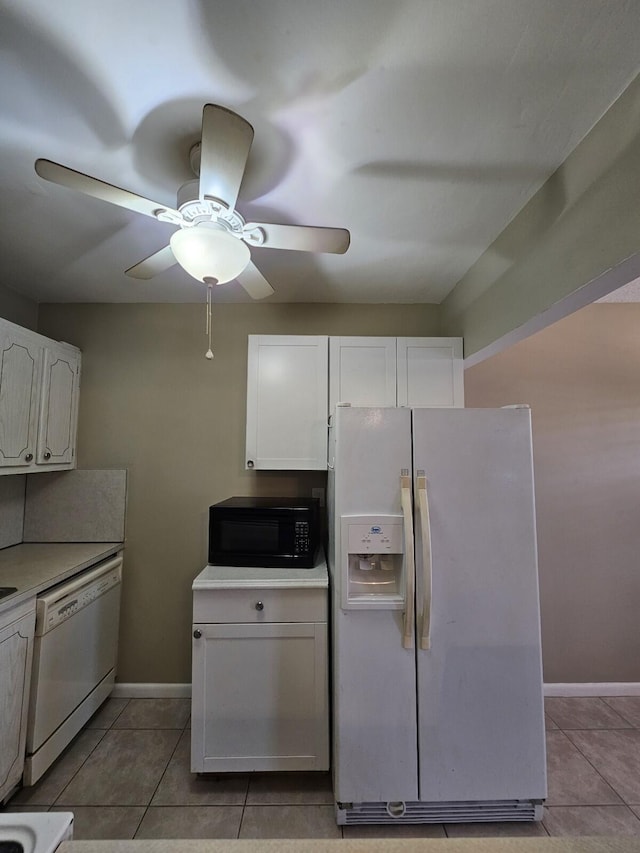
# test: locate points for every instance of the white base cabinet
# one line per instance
(260, 671)
(16, 654)
(39, 388)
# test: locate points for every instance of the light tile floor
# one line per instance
(126, 775)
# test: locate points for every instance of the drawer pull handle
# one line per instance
(197, 633)
(259, 605)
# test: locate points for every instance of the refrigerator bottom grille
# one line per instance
(454, 812)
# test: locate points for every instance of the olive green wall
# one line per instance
(581, 378)
(150, 402)
(581, 227)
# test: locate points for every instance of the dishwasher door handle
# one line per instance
(82, 579)
(49, 602)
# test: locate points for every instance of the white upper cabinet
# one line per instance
(362, 371)
(430, 372)
(294, 382)
(39, 388)
(367, 371)
(287, 389)
(20, 364)
(59, 405)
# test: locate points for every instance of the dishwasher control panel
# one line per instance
(60, 604)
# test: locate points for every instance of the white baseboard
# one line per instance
(597, 688)
(141, 690)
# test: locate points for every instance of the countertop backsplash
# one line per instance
(63, 506)
(76, 506)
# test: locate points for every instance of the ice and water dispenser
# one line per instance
(372, 561)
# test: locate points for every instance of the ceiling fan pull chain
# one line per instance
(209, 352)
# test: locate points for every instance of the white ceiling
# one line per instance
(422, 126)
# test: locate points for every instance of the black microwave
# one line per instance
(269, 532)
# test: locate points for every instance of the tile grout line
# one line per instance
(619, 713)
(85, 728)
(146, 808)
(595, 728)
(162, 775)
(84, 761)
(48, 806)
(586, 758)
(244, 806)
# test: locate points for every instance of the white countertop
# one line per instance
(602, 844)
(240, 577)
(33, 568)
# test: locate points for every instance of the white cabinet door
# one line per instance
(20, 362)
(39, 387)
(16, 652)
(430, 372)
(59, 406)
(260, 697)
(362, 371)
(287, 402)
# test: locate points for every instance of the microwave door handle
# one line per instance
(425, 530)
(409, 561)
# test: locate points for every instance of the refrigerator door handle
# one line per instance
(409, 561)
(425, 529)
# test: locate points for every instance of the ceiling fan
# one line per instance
(212, 241)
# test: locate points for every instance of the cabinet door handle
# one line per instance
(197, 634)
(250, 463)
(28, 457)
(47, 455)
(259, 605)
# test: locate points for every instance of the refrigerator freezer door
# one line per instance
(374, 677)
(480, 707)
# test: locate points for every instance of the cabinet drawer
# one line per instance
(278, 605)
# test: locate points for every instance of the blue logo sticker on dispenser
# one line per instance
(376, 529)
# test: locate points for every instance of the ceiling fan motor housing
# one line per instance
(195, 210)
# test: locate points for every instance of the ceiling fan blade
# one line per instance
(224, 148)
(305, 238)
(67, 177)
(154, 264)
(254, 282)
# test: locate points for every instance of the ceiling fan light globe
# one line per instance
(207, 252)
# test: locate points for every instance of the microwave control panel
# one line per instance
(301, 537)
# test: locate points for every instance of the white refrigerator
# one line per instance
(437, 673)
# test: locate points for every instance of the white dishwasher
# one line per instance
(74, 660)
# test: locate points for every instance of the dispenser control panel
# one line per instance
(371, 538)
